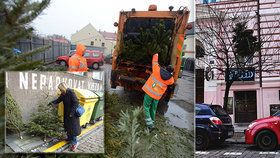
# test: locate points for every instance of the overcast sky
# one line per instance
(65, 17)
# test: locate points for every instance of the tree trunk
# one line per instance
(228, 85)
(226, 96)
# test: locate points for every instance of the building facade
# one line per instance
(89, 36)
(248, 100)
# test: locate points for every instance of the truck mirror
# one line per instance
(171, 8)
(133, 10)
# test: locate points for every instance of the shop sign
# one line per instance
(242, 75)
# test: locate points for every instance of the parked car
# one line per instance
(95, 59)
(108, 59)
(213, 124)
(264, 132)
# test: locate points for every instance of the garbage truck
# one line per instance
(132, 74)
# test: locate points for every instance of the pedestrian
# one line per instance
(71, 121)
(77, 63)
(154, 89)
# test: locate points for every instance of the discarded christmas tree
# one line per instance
(45, 122)
(14, 123)
(140, 49)
(15, 19)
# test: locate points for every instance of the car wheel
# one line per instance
(201, 140)
(62, 63)
(95, 66)
(266, 140)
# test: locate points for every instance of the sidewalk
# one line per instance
(91, 138)
(239, 136)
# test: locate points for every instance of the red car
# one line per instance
(94, 58)
(264, 132)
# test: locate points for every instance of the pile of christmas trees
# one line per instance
(14, 123)
(150, 41)
(45, 122)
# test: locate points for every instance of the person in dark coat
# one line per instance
(71, 120)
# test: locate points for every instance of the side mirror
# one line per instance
(116, 24)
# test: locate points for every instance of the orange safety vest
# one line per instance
(155, 86)
(77, 63)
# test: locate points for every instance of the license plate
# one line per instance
(230, 133)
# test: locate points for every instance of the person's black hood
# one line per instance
(164, 74)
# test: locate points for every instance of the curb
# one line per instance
(62, 145)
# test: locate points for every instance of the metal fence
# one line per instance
(56, 49)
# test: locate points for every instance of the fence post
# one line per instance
(44, 50)
(52, 51)
(31, 46)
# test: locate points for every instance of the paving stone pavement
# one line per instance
(92, 142)
(236, 150)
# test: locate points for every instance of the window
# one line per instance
(230, 105)
(86, 54)
(203, 111)
(218, 110)
(184, 47)
(274, 109)
(103, 44)
(92, 43)
(197, 109)
(72, 52)
(96, 55)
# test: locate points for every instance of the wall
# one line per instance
(30, 88)
(266, 96)
(86, 35)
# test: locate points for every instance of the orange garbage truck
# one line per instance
(132, 75)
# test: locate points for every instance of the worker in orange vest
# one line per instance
(154, 88)
(77, 63)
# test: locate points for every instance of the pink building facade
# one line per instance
(247, 100)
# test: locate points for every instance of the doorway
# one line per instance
(245, 106)
(199, 86)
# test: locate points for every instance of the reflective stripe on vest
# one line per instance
(73, 67)
(82, 65)
(151, 91)
(157, 81)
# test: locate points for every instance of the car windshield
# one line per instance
(71, 52)
(218, 110)
(277, 113)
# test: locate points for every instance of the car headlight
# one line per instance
(251, 125)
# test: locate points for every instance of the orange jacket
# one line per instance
(77, 62)
(155, 86)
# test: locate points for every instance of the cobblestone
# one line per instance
(92, 142)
